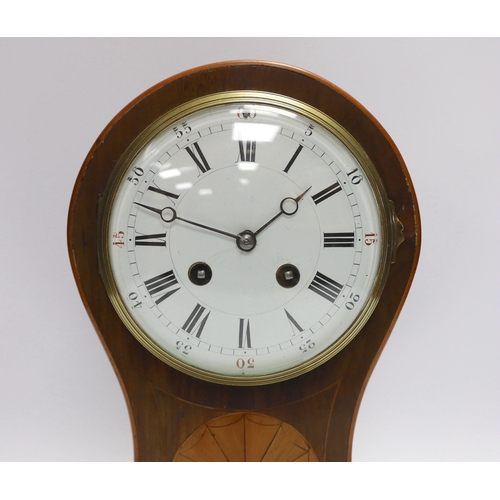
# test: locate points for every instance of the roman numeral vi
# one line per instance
(244, 334)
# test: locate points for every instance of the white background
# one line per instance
(434, 395)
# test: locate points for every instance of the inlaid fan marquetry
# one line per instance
(245, 437)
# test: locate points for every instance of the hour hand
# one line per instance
(288, 206)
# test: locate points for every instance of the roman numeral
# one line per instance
(293, 322)
(326, 193)
(164, 193)
(151, 240)
(247, 150)
(244, 334)
(325, 287)
(338, 240)
(158, 284)
(201, 162)
(292, 160)
(196, 320)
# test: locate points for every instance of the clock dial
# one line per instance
(245, 238)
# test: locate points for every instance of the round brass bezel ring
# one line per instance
(247, 97)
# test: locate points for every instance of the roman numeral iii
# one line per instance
(338, 240)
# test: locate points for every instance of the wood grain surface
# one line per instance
(170, 411)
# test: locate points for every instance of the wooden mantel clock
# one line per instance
(243, 236)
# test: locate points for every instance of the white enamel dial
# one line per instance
(245, 241)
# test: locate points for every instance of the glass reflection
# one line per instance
(260, 132)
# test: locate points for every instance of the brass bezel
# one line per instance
(387, 238)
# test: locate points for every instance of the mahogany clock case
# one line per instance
(166, 406)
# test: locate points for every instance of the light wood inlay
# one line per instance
(245, 437)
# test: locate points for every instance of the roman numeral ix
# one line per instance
(151, 240)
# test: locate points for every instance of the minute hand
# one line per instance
(208, 228)
(283, 211)
(168, 214)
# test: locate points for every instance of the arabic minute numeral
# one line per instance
(134, 177)
(134, 297)
(181, 130)
(249, 363)
(355, 178)
(182, 347)
(307, 346)
(246, 112)
(371, 238)
(352, 303)
(118, 239)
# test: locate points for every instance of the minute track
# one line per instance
(265, 298)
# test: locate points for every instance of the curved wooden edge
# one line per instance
(417, 249)
(76, 275)
(194, 392)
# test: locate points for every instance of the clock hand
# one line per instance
(153, 209)
(246, 240)
(289, 211)
(168, 215)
